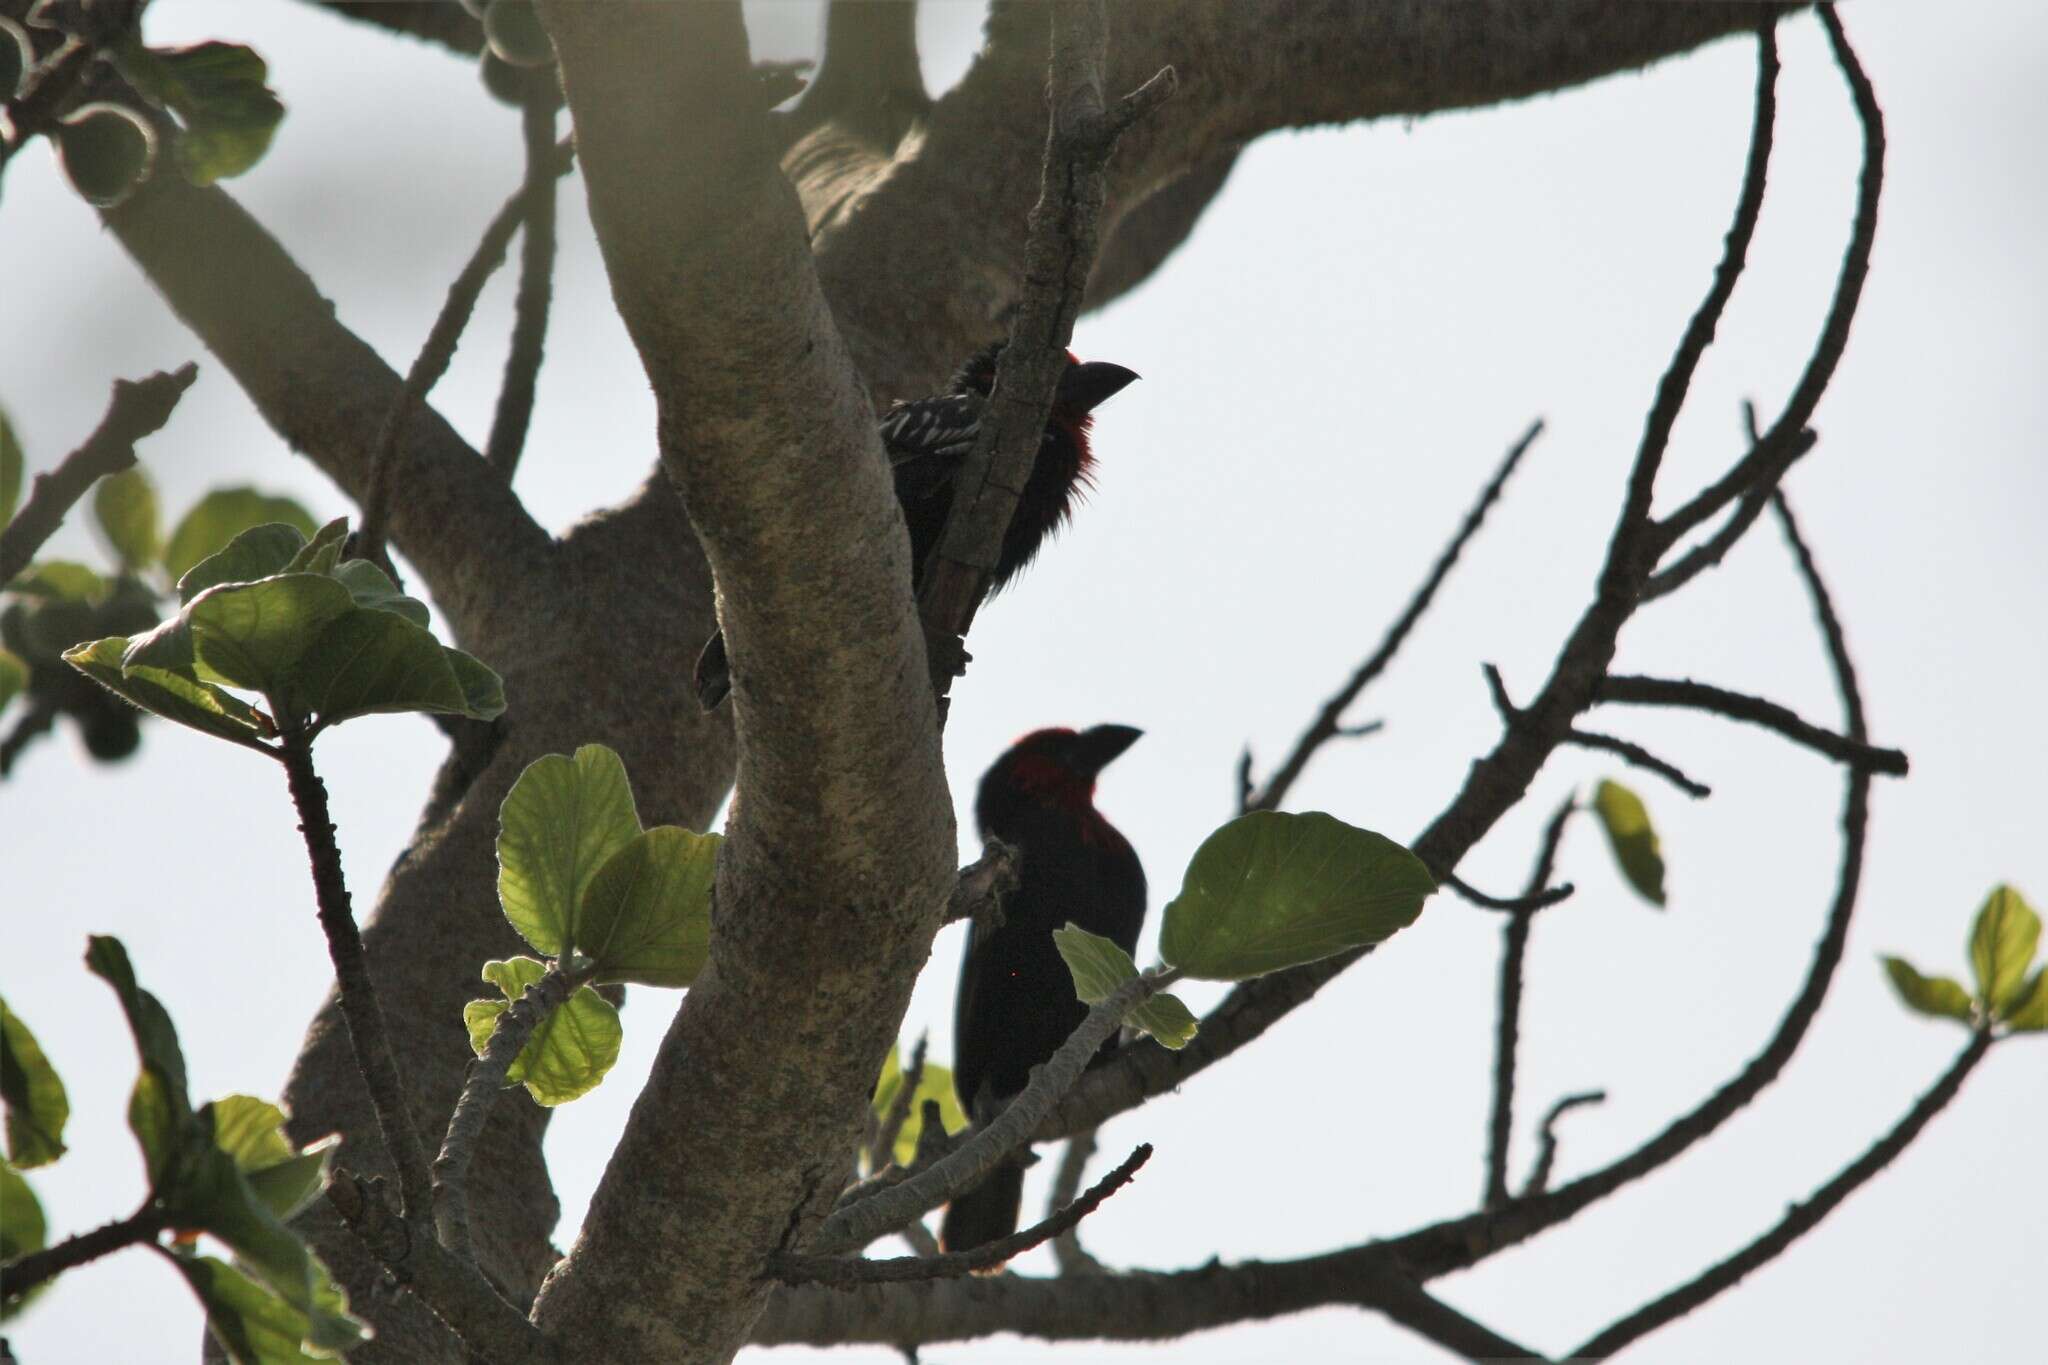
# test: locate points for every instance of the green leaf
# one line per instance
(2002, 944)
(11, 466)
(372, 587)
(218, 91)
(646, 915)
(1170, 1023)
(1271, 890)
(1634, 842)
(59, 579)
(253, 634)
(124, 504)
(367, 661)
(37, 1106)
(13, 676)
(1936, 996)
(1097, 964)
(563, 820)
(174, 694)
(159, 1113)
(22, 1229)
(2029, 1010)
(259, 552)
(251, 1133)
(570, 1051)
(217, 519)
(257, 1327)
(935, 1083)
(323, 551)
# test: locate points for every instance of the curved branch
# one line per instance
(1720, 701)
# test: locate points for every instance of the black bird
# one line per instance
(927, 438)
(1016, 1003)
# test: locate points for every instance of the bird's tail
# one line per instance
(985, 1213)
(714, 672)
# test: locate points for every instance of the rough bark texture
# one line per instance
(769, 307)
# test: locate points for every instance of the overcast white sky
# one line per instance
(1332, 365)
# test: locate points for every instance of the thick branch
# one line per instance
(1797, 1222)
(327, 393)
(869, 82)
(1328, 723)
(845, 1272)
(1741, 706)
(137, 409)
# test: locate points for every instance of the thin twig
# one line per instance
(1065, 233)
(1546, 1139)
(892, 1122)
(353, 984)
(454, 1290)
(841, 1272)
(1542, 900)
(1635, 755)
(1798, 1220)
(20, 1275)
(1067, 1251)
(439, 350)
(1720, 701)
(857, 1223)
(1715, 548)
(481, 1085)
(1508, 1023)
(1834, 336)
(137, 409)
(1327, 724)
(536, 277)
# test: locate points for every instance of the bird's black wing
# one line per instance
(927, 437)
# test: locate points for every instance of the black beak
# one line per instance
(1095, 749)
(1084, 387)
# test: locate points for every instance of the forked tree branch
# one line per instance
(137, 409)
(1508, 1016)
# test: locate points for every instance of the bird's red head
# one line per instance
(1053, 767)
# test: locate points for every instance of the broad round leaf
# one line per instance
(253, 634)
(934, 1083)
(1272, 890)
(217, 519)
(1935, 996)
(569, 1052)
(250, 1131)
(646, 915)
(367, 661)
(218, 91)
(124, 504)
(323, 552)
(60, 579)
(159, 1113)
(2029, 1011)
(37, 1107)
(259, 552)
(174, 694)
(13, 676)
(22, 1229)
(257, 1327)
(2002, 944)
(563, 820)
(11, 464)
(372, 587)
(1097, 964)
(1629, 833)
(1166, 1020)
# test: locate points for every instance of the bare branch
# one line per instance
(1066, 227)
(891, 1125)
(536, 276)
(1799, 1220)
(1635, 755)
(138, 409)
(1327, 724)
(845, 1272)
(1741, 706)
(442, 338)
(1546, 1139)
(1712, 550)
(26, 1271)
(1542, 900)
(484, 1080)
(1508, 1019)
(1752, 472)
(1067, 1251)
(451, 1288)
(967, 1165)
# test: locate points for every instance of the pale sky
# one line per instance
(1332, 365)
